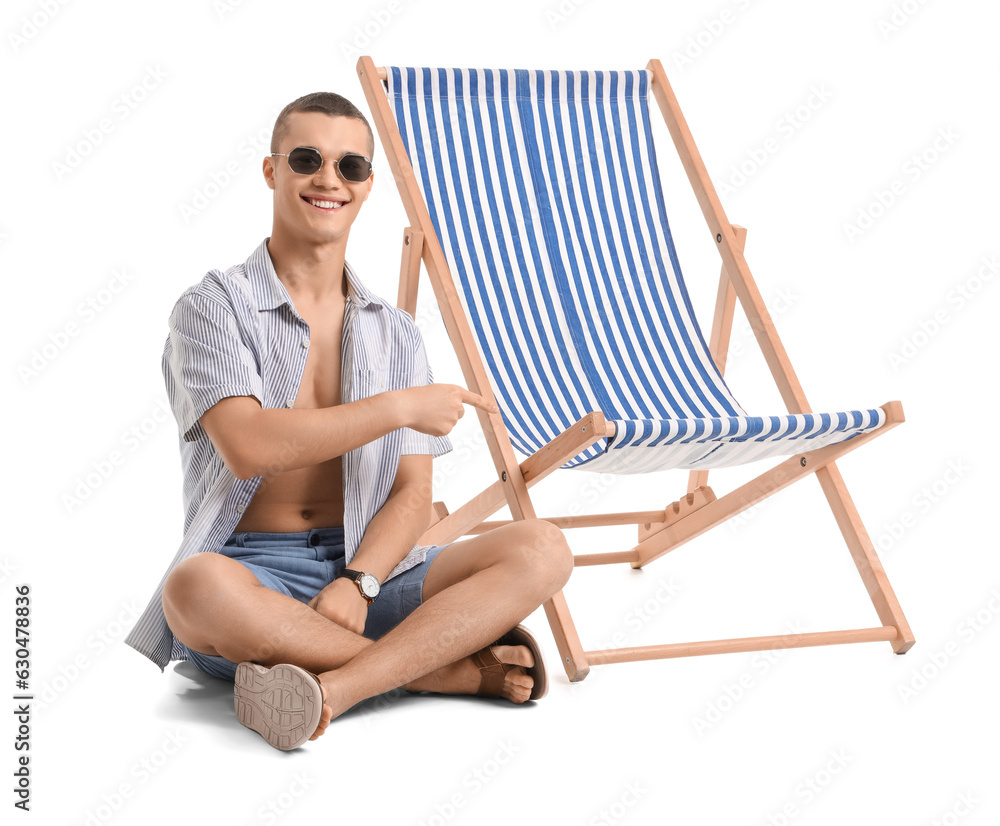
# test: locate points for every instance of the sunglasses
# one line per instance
(305, 160)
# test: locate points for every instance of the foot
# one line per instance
(465, 676)
(284, 704)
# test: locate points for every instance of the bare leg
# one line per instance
(216, 606)
(475, 591)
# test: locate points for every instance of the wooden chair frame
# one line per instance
(660, 531)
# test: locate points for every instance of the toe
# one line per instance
(514, 654)
(518, 693)
(324, 721)
(518, 677)
(517, 686)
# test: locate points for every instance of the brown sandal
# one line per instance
(493, 671)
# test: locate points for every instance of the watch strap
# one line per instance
(357, 576)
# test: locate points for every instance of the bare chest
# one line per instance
(321, 378)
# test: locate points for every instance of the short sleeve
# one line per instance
(413, 440)
(206, 359)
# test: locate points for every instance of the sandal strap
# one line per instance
(492, 672)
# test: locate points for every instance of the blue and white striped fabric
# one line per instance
(544, 190)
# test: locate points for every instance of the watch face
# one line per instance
(369, 586)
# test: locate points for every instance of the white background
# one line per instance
(847, 94)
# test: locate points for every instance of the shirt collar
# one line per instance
(269, 292)
(361, 294)
(267, 289)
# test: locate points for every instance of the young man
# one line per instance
(308, 423)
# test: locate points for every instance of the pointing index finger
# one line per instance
(468, 397)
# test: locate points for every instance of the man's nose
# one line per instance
(328, 175)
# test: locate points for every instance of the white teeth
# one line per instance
(324, 204)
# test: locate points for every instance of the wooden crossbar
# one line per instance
(885, 633)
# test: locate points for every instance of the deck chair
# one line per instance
(535, 204)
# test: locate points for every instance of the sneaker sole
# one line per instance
(282, 704)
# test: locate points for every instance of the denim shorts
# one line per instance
(300, 565)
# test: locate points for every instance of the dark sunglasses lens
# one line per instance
(355, 168)
(305, 161)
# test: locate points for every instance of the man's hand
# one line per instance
(434, 409)
(343, 603)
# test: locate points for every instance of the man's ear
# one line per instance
(268, 169)
(368, 189)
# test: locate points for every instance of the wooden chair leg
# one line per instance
(863, 552)
(571, 653)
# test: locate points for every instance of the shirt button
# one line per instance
(240, 508)
(305, 342)
(289, 402)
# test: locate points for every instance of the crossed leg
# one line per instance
(475, 591)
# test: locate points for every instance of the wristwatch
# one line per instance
(367, 584)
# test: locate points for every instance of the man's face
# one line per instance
(296, 197)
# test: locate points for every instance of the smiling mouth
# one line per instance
(323, 205)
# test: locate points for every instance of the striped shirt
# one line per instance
(237, 333)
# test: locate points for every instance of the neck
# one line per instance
(313, 272)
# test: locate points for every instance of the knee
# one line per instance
(190, 582)
(542, 549)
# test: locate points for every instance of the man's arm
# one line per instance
(392, 532)
(395, 529)
(254, 441)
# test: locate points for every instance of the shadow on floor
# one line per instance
(193, 696)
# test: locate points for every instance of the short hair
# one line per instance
(329, 103)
